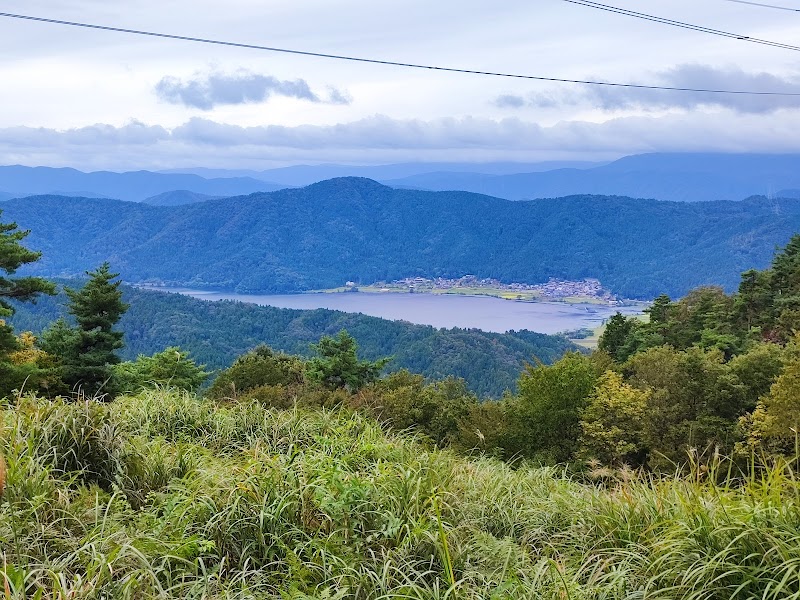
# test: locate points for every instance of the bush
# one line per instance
(259, 367)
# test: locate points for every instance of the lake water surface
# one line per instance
(480, 312)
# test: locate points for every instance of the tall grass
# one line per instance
(164, 495)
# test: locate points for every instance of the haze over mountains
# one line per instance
(679, 177)
(356, 229)
(18, 181)
(684, 177)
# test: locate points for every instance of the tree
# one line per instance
(337, 366)
(616, 336)
(612, 423)
(784, 282)
(87, 351)
(14, 255)
(256, 369)
(694, 402)
(404, 401)
(775, 424)
(544, 418)
(170, 368)
(753, 302)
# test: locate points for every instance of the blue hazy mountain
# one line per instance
(300, 175)
(132, 186)
(678, 177)
(352, 229)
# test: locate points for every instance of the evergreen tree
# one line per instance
(337, 364)
(169, 368)
(12, 256)
(88, 351)
(615, 338)
(753, 303)
(785, 284)
(20, 289)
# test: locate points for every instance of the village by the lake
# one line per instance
(587, 290)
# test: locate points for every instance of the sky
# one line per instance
(100, 100)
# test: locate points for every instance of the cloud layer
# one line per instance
(378, 139)
(215, 89)
(691, 76)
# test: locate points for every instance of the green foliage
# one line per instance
(437, 410)
(544, 420)
(216, 333)
(87, 352)
(259, 368)
(169, 368)
(615, 337)
(14, 255)
(612, 423)
(337, 365)
(165, 496)
(378, 233)
(775, 424)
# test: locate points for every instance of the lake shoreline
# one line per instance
(447, 311)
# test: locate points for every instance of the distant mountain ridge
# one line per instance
(685, 177)
(352, 229)
(16, 181)
(675, 177)
(301, 175)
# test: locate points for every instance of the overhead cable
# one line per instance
(682, 25)
(759, 4)
(393, 63)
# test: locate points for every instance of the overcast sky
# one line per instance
(91, 99)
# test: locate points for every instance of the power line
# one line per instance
(185, 38)
(764, 5)
(681, 24)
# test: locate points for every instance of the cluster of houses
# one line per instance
(554, 288)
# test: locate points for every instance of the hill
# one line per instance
(163, 496)
(132, 186)
(355, 229)
(177, 198)
(217, 332)
(677, 177)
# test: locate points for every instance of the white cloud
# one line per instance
(204, 142)
(687, 76)
(244, 87)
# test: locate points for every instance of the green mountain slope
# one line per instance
(356, 229)
(217, 332)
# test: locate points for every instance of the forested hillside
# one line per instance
(356, 229)
(215, 333)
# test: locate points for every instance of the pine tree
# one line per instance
(337, 366)
(12, 256)
(88, 351)
(20, 289)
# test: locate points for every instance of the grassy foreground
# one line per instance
(163, 495)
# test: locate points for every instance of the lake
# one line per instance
(480, 312)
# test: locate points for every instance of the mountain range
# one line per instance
(356, 229)
(18, 181)
(678, 177)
